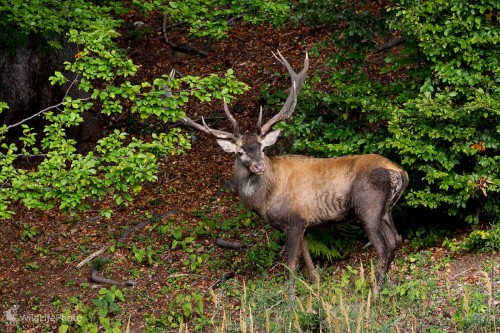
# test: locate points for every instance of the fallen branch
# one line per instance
(179, 48)
(391, 44)
(99, 279)
(461, 273)
(126, 234)
(131, 230)
(92, 256)
(234, 245)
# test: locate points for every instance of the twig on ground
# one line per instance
(92, 256)
(99, 279)
(461, 273)
(223, 279)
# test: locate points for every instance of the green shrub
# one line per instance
(120, 162)
(483, 240)
(213, 18)
(434, 107)
(449, 134)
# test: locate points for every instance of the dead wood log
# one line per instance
(228, 244)
(99, 279)
(389, 45)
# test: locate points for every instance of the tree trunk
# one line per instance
(24, 85)
(24, 73)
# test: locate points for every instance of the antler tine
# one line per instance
(236, 128)
(259, 121)
(282, 60)
(193, 124)
(298, 80)
(204, 128)
(186, 120)
(217, 133)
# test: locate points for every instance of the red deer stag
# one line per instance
(298, 192)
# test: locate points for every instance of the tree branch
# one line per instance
(228, 244)
(35, 115)
(24, 155)
(176, 47)
(50, 107)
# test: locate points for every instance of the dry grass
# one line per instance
(415, 303)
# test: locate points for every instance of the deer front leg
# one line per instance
(294, 247)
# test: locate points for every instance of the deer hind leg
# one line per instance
(382, 236)
(385, 251)
(399, 181)
(390, 230)
(309, 263)
(374, 201)
(392, 240)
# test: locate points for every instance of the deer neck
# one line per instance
(253, 189)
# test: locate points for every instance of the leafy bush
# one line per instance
(425, 236)
(120, 162)
(449, 133)
(99, 317)
(434, 107)
(483, 240)
(213, 18)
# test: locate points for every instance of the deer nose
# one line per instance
(259, 168)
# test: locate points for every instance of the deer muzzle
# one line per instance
(258, 168)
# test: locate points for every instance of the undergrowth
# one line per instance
(421, 294)
(408, 303)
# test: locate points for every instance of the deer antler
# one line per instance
(236, 128)
(217, 133)
(298, 80)
(204, 128)
(286, 111)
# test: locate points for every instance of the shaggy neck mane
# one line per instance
(253, 189)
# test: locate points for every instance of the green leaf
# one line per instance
(119, 295)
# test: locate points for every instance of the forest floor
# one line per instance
(172, 256)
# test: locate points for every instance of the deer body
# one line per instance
(317, 190)
(295, 193)
(298, 192)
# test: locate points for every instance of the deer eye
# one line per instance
(240, 153)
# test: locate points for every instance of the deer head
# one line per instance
(249, 147)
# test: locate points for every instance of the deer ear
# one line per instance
(227, 145)
(270, 138)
